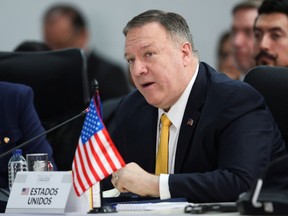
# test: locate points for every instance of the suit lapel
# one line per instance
(149, 136)
(144, 143)
(191, 117)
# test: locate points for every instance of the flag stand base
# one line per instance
(103, 209)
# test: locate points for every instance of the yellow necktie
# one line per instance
(162, 154)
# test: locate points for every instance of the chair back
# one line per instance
(272, 83)
(58, 79)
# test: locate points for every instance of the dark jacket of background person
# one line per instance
(31, 46)
(231, 141)
(19, 122)
(111, 78)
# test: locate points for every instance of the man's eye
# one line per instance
(148, 54)
(257, 35)
(275, 36)
(129, 61)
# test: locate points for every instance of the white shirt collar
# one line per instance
(177, 110)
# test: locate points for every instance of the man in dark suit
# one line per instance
(222, 135)
(65, 27)
(19, 122)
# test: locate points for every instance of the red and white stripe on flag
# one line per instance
(96, 156)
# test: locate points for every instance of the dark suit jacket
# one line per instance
(232, 139)
(112, 80)
(19, 122)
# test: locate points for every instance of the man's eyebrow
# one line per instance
(141, 48)
(276, 28)
(125, 55)
(145, 46)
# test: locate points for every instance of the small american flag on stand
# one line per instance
(96, 156)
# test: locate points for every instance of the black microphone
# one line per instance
(45, 132)
(269, 194)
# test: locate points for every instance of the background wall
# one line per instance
(21, 20)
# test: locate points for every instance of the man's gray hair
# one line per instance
(175, 25)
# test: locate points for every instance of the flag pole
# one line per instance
(101, 208)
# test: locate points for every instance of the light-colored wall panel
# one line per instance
(21, 20)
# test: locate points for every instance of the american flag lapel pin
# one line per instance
(190, 122)
(6, 140)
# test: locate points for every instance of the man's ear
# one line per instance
(186, 53)
(83, 38)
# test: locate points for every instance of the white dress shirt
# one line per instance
(175, 114)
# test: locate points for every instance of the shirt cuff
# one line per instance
(164, 186)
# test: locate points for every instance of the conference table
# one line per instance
(65, 201)
(163, 211)
(138, 213)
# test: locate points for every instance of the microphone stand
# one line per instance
(45, 132)
(102, 208)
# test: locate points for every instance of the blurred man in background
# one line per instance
(244, 15)
(225, 57)
(65, 27)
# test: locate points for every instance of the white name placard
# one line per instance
(45, 192)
